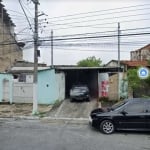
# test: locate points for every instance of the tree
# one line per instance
(90, 62)
(133, 79)
(139, 87)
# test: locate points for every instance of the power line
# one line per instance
(98, 24)
(84, 37)
(106, 10)
(89, 50)
(91, 33)
(124, 16)
(26, 15)
(95, 37)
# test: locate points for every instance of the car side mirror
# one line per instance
(123, 112)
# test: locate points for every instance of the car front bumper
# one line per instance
(90, 120)
(79, 97)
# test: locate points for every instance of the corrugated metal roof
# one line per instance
(100, 69)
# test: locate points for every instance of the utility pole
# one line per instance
(118, 60)
(52, 48)
(2, 29)
(35, 76)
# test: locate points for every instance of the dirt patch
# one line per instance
(10, 110)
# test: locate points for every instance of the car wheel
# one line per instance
(107, 127)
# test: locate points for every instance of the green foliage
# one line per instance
(147, 81)
(133, 79)
(90, 62)
(149, 62)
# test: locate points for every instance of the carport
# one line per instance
(84, 75)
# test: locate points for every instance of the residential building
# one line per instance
(10, 51)
(141, 54)
(128, 64)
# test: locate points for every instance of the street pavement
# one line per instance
(44, 135)
(63, 128)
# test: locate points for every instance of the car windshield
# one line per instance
(118, 104)
(80, 88)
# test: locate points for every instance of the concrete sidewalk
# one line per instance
(66, 112)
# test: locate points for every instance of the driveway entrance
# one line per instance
(74, 109)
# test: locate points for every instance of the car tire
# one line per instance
(107, 127)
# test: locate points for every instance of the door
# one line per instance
(6, 90)
(133, 117)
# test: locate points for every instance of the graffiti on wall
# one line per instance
(104, 88)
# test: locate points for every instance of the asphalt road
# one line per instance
(45, 135)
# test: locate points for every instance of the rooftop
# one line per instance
(3, 14)
(133, 63)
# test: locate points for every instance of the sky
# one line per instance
(82, 28)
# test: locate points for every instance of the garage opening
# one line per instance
(85, 77)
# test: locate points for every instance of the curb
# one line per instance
(49, 119)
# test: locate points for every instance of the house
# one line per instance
(96, 78)
(50, 87)
(6, 82)
(128, 64)
(141, 54)
(10, 49)
(54, 83)
(118, 85)
(50, 83)
(16, 86)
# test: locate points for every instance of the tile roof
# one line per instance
(133, 63)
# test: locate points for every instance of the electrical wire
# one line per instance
(106, 11)
(26, 15)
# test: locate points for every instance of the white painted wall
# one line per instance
(60, 78)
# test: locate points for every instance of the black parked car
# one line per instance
(130, 114)
(79, 92)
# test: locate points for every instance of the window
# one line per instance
(148, 106)
(22, 78)
(137, 107)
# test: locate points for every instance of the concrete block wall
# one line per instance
(9, 53)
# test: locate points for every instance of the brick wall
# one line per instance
(113, 87)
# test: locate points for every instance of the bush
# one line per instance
(106, 99)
